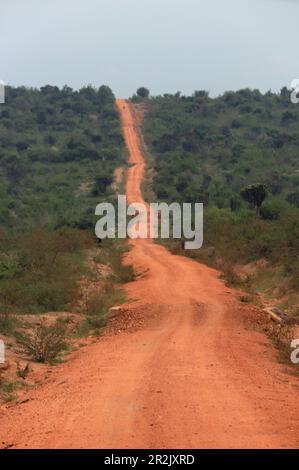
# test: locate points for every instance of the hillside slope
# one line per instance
(208, 150)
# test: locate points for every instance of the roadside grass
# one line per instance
(8, 389)
(98, 301)
(8, 324)
(111, 253)
(97, 308)
(39, 270)
(43, 341)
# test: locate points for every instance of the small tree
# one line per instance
(101, 184)
(143, 92)
(255, 194)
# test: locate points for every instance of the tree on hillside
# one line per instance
(15, 167)
(201, 94)
(101, 183)
(105, 95)
(143, 92)
(255, 194)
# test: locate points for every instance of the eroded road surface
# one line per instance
(188, 371)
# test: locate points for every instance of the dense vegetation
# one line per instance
(59, 149)
(210, 148)
(239, 154)
(39, 269)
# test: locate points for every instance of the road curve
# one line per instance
(190, 374)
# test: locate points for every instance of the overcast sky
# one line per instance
(166, 45)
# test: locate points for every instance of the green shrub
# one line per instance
(272, 209)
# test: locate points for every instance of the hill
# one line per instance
(209, 150)
(58, 151)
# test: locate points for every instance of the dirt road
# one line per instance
(191, 373)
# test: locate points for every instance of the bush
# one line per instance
(272, 210)
(45, 343)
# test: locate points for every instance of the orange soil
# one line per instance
(191, 374)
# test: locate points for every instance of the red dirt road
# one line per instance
(190, 374)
